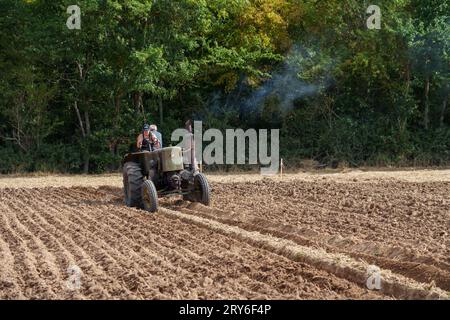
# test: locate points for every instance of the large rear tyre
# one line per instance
(132, 184)
(149, 196)
(201, 192)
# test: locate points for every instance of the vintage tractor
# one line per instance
(149, 175)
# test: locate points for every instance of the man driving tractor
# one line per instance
(150, 139)
(153, 172)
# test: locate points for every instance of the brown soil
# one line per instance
(126, 254)
(400, 226)
(261, 239)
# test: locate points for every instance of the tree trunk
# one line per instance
(137, 101)
(88, 133)
(114, 141)
(117, 106)
(161, 116)
(80, 121)
(85, 133)
(426, 112)
(86, 163)
(408, 77)
(86, 126)
(443, 110)
(87, 123)
(117, 98)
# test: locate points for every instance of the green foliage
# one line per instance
(74, 100)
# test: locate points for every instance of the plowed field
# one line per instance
(261, 239)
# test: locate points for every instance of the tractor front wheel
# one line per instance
(149, 196)
(201, 189)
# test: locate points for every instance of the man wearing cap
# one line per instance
(149, 140)
(154, 130)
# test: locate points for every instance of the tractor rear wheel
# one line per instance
(201, 189)
(149, 196)
(132, 184)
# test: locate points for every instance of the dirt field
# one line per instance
(306, 236)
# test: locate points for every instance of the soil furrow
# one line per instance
(26, 263)
(261, 239)
(417, 270)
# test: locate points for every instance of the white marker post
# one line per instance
(281, 168)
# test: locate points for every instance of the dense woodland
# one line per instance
(74, 100)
